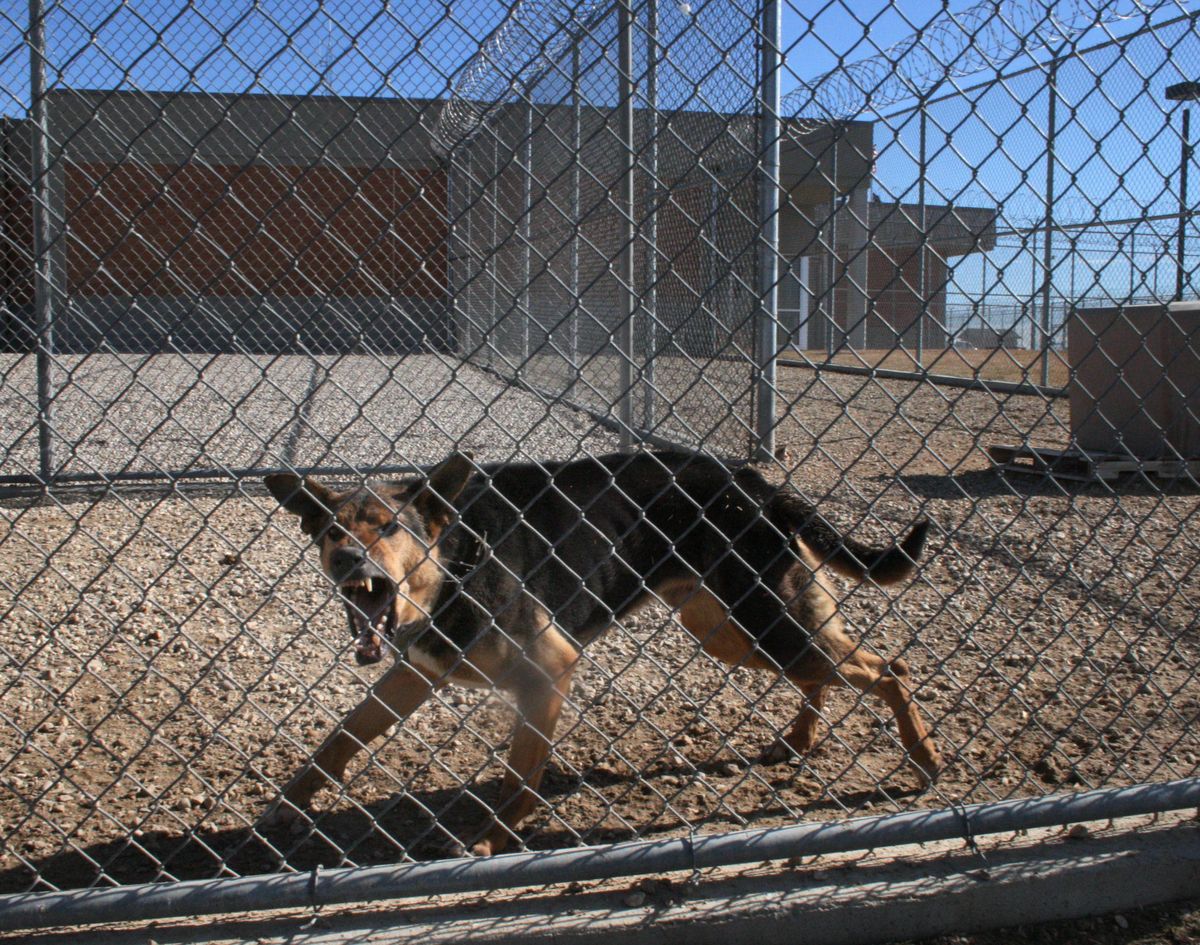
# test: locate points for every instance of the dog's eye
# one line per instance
(389, 528)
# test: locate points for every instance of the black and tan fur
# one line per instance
(500, 575)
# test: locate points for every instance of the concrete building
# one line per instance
(270, 223)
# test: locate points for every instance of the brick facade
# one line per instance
(237, 231)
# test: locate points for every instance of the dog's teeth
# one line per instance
(367, 582)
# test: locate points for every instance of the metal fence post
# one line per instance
(650, 273)
(526, 306)
(1132, 263)
(831, 343)
(1032, 313)
(43, 264)
(492, 264)
(625, 263)
(1048, 249)
(574, 211)
(767, 341)
(923, 237)
(1185, 149)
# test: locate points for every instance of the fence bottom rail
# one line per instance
(401, 881)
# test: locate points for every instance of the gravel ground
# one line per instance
(171, 658)
(140, 413)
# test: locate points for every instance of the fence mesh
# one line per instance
(349, 239)
(542, 295)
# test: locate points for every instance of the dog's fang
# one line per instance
(368, 583)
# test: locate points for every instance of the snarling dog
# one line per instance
(500, 575)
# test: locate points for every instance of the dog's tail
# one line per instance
(790, 514)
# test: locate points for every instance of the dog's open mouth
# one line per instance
(371, 607)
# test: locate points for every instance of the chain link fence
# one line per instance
(879, 251)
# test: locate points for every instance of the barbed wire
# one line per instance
(528, 42)
(988, 35)
(1026, 211)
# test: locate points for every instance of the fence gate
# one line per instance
(844, 245)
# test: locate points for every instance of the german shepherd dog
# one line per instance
(499, 575)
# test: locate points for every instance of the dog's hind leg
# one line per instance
(395, 696)
(834, 659)
(540, 701)
(707, 619)
(800, 634)
(803, 734)
(873, 675)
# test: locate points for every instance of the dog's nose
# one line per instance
(343, 562)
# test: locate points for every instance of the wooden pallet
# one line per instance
(1085, 466)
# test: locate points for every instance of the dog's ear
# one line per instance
(306, 498)
(435, 498)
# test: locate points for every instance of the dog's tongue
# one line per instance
(369, 646)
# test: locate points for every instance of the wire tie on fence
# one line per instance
(694, 879)
(312, 899)
(972, 844)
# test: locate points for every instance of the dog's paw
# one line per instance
(282, 813)
(776, 753)
(781, 751)
(928, 764)
(497, 839)
(452, 849)
(455, 849)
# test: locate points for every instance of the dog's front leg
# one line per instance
(395, 696)
(539, 707)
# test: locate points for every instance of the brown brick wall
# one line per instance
(16, 215)
(893, 281)
(235, 231)
(894, 278)
(16, 243)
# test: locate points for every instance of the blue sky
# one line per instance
(411, 47)
(1116, 145)
(343, 46)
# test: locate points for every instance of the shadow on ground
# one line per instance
(424, 825)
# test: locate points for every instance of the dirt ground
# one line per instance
(170, 658)
(1173, 924)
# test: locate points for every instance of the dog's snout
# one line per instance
(343, 562)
